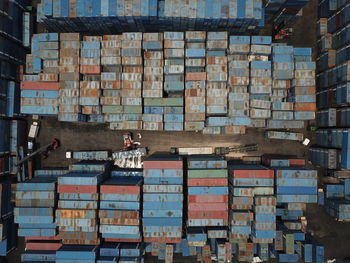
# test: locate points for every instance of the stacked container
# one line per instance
(249, 185)
(296, 185)
(153, 65)
(119, 214)
(8, 237)
(195, 80)
(90, 89)
(36, 216)
(111, 76)
(163, 199)
(260, 87)
(325, 157)
(153, 79)
(174, 64)
(14, 37)
(207, 195)
(131, 92)
(216, 94)
(40, 94)
(78, 203)
(336, 197)
(35, 207)
(264, 226)
(303, 86)
(238, 80)
(69, 92)
(123, 101)
(71, 253)
(173, 118)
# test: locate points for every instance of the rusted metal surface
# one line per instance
(81, 189)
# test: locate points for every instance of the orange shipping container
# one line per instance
(90, 93)
(195, 92)
(26, 85)
(69, 52)
(133, 69)
(85, 69)
(193, 76)
(309, 106)
(111, 84)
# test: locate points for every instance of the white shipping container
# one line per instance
(260, 113)
(132, 36)
(131, 101)
(111, 44)
(195, 62)
(111, 60)
(154, 63)
(89, 61)
(261, 104)
(217, 92)
(152, 85)
(131, 43)
(260, 89)
(132, 76)
(132, 61)
(152, 93)
(73, 44)
(153, 71)
(110, 52)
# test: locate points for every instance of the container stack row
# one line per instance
(150, 15)
(78, 204)
(207, 206)
(248, 184)
(15, 33)
(173, 81)
(35, 214)
(335, 197)
(229, 210)
(331, 150)
(163, 201)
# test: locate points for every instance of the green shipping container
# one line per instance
(289, 243)
(163, 102)
(121, 109)
(214, 173)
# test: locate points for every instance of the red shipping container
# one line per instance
(28, 85)
(207, 182)
(208, 207)
(170, 240)
(87, 69)
(119, 189)
(207, 214)
(296, 162)
(208, 198)
(253, 173)
(162, 165)
(80, 189)
(43, 246)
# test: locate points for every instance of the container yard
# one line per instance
(174, 131)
